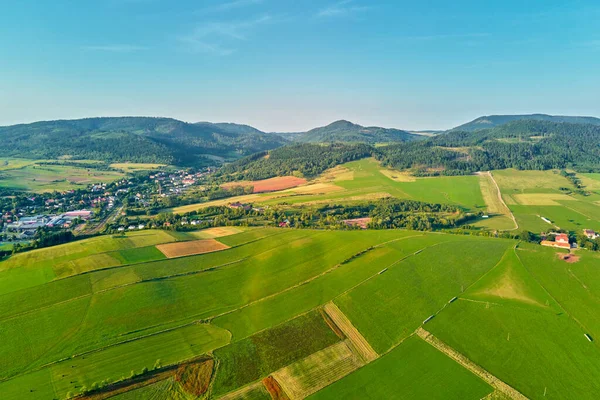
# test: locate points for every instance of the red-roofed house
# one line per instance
(562, 242)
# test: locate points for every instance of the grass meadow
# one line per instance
(413, 370)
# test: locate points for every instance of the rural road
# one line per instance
(502, 201)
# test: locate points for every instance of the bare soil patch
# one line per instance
(275, 389)
(195, 378)
(568, 258)
(181, 249)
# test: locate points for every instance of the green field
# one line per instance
(531, 195)
(413, 370)
(29, 175)
(97, 310)
(363, 180)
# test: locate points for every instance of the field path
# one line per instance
(363, 347)
(505, 210)
(470, 365)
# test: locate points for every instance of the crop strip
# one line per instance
(363, 347)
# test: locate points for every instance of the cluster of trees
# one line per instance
(304, 160)
(44, 237)
(385, 214)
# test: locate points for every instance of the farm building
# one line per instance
(562, 242)
(590, 233)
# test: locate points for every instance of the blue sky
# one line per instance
(293, 65)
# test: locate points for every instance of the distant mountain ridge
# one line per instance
(136, 139)
(493, 121)
(346, 131)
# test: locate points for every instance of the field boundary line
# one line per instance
(312, 278)
(359, 342)
(400, 260)
(159, 278)
(486, 376)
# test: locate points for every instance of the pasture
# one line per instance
(28, 175)
(531, 195)
(277, 309)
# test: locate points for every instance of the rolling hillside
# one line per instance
(345, 131)
(492, 121)
(138, 139)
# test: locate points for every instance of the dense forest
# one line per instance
(135, 139)
(345, 131)
(307, 160)
(536, 145)
(492, 121)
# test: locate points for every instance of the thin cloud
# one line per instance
(231, 5)
(220, 38)
(447, 36)
(342, 8)
(116, 48)
(591, 44)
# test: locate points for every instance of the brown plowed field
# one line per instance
(181, 249)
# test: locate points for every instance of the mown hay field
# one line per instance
(194, 247)
(320, 369)
(269, 185)
(257, 356)
(531, 195)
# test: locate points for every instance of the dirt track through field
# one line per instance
(363, 347)
(498, 206)
(470, 365)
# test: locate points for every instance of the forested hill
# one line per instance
(345, 131)
(492, 121)
(135, 139)
(537, 145)
(305, 159)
